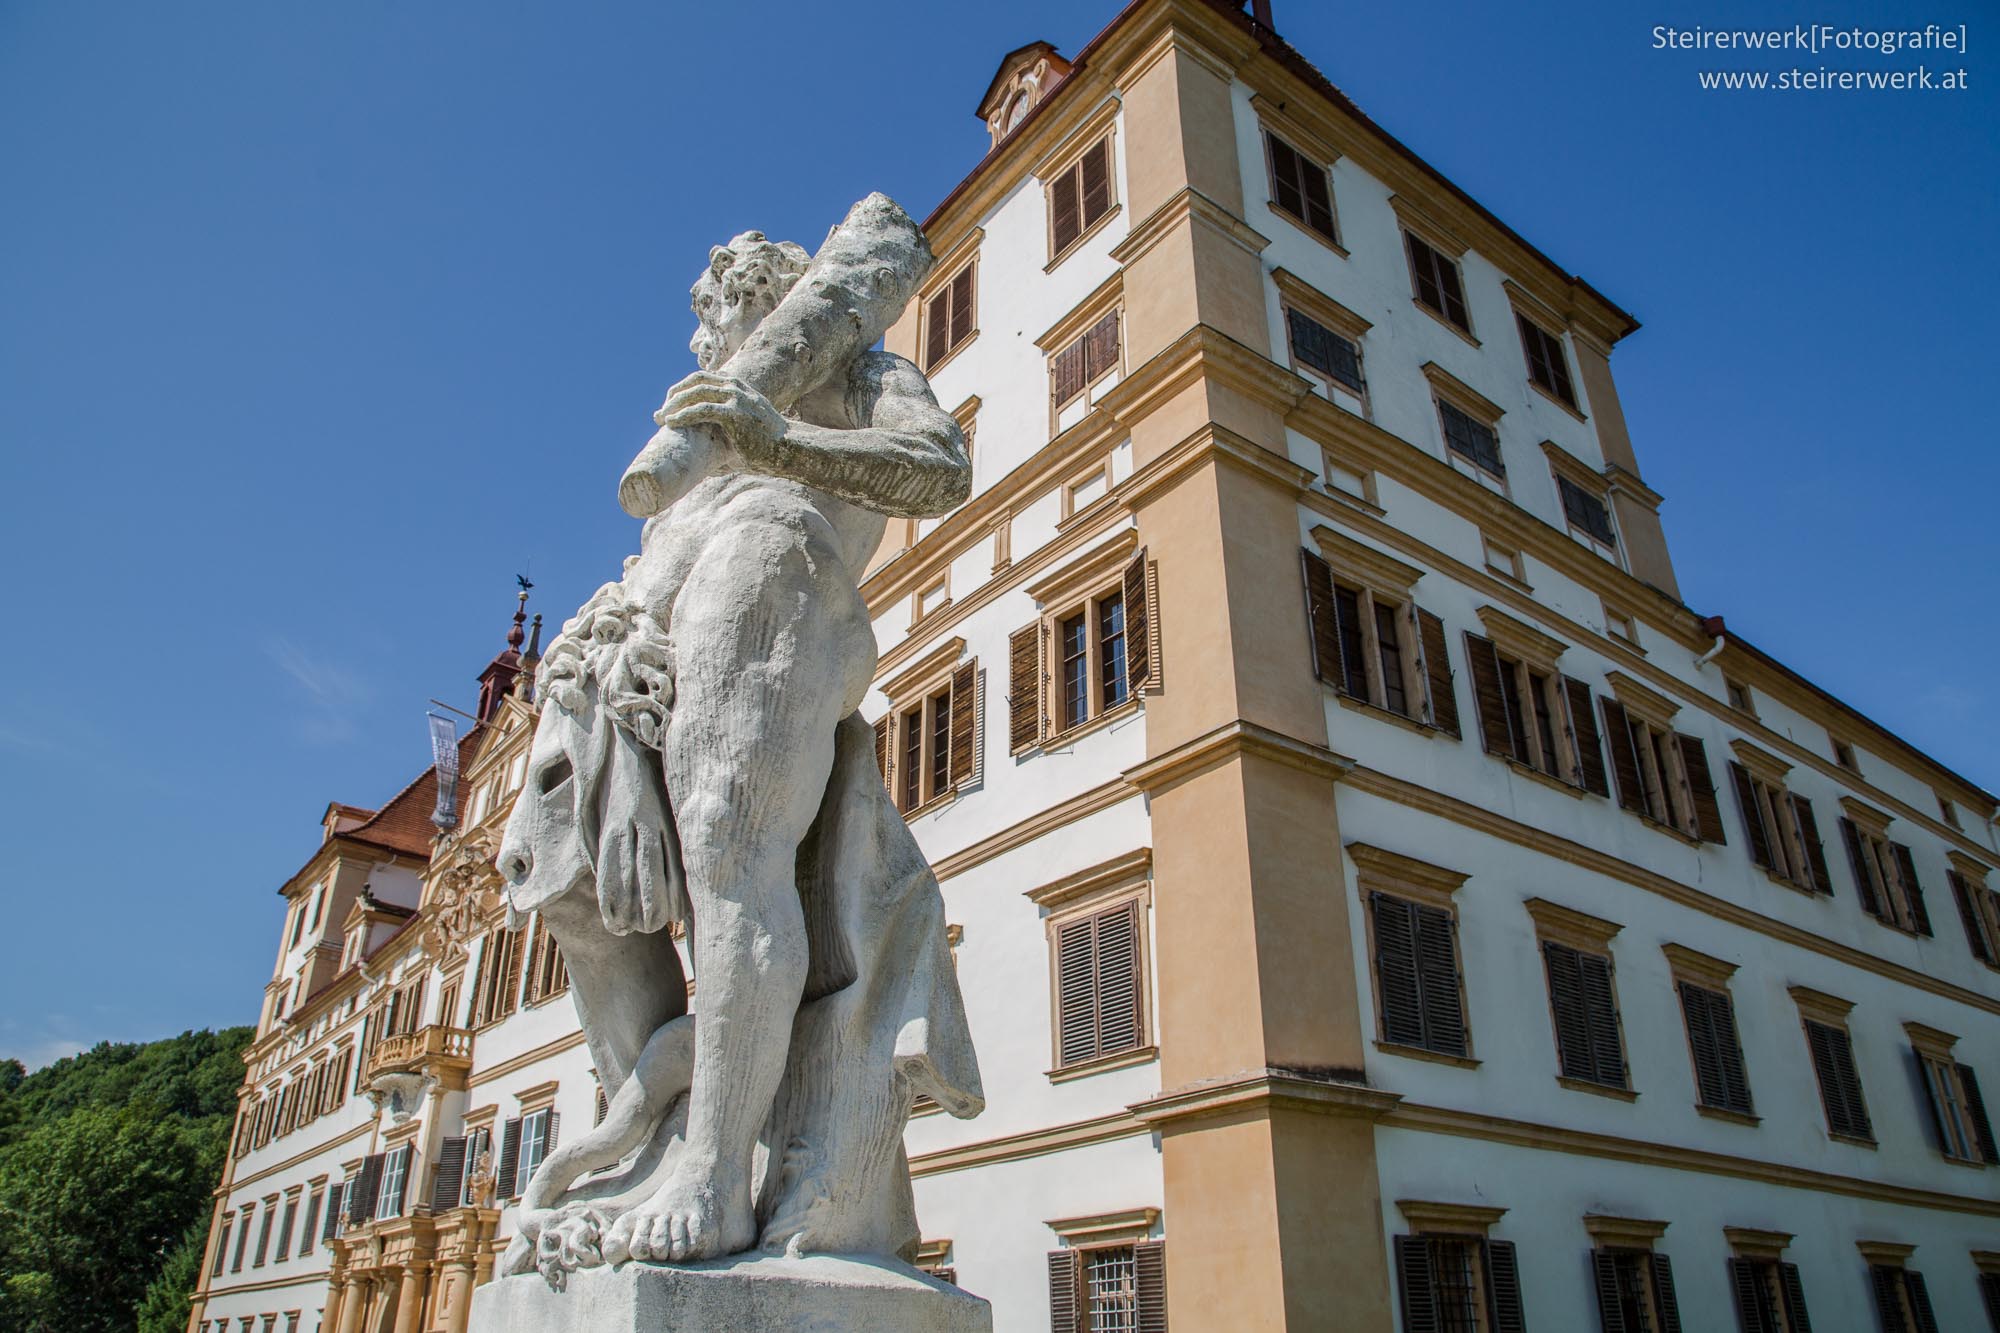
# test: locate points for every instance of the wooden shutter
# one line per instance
(1589, 743)
(1100, 347)
(1753, 1299)
(965, 723)
(331, 1225)
(554, 1135)
(1913, 892)
(1753, 818)
(1607, 1051)
(937, 328)
(1624, 758)
(1066, 377)
(1566, 1002)
(1320, 618)
(1065, 222)
(1709, 1084)
(1968, 913)
(1149, 1272)
(1397, 971)
(1975, 1111)
(1701, 786)
(285, 1230)
(1665, 1303)
(1802, 810)
(1610, 1311)
(1887, 1283)
(367, 1185)
(1488, 695)
(882, 745)
(1794, 1293)
(510, 1160)
(1065, 1292)
(1437, 970)
(1989, 1292)
(1503, 1288)
(1840, 1085)
(1920, 1301)
(1419, 1293)
(1437, 673)
(1141, 623)
(1095, 175)
(961, 306)
(1857, 859)
(1024, 687)
(307, 1233)
(1353, 677)
(1120, 1026)
(1076, 999)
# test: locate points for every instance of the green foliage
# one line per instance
(107, 1161)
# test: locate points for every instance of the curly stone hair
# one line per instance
(616, 645)
(750, 268)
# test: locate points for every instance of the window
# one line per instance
(1529, 712)
(395, 1176)
(1585, 511)
(1769, 1296)
(1780, 827)
(1979, 913)
(1317, 346)
(1843, 754)
(1621, 625)
(1301, 188)
(548, 974)
(1739, 695)
(1458, 1281)
(1951, 1091)
(535, 1134)
(448, 1010)
(1902, 1302)
(1713, 1044)
(1586, 1015)
(1548, 367)
(1434, 279)
(264, 1232)
(330, 1225)
(285, 1229)
(498, 986)
(934, 1257)
(1825, 1019)
(1083, 362)
(1471, 438)
(1885, 874)
(948, 317)
(1948, 811)
(479, 1164)
(364, 1189)
(311, 1227)
(1635, 1290)
(1080, 197)
(929, 746)
(1989, 1286)
(1413, 931)
(1108, 1288)
(1662, 774)
(222, 1246)
(1502, 560)
(1091, 653)
(1370, 640)
(1099, 985)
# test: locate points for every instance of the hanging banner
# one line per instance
(444, 754)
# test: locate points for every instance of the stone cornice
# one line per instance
(1235, 740)
(1120, 871)
(1264, 1090)
(1189, 206)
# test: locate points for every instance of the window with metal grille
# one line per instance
(1471, 438)
(1459, 1284)
(1316, 345)
(1301, 188)
(1434, 278)
(1099, 985)
(1769, 1296)
(1108, 1288)
(1901, 1299)
(1111, 1297)
(1548, 367)
(1635, 1291)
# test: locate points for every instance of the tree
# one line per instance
(164, 1308)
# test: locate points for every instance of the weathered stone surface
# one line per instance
(816, 1294)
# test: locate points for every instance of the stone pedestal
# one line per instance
(749, 1294)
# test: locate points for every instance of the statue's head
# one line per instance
(744, 282)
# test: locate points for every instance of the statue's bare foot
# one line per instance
(698, 1214)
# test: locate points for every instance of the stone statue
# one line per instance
(700, 763)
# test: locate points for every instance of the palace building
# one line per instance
(1380, 902)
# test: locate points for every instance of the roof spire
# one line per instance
(524, 688)
(500, 674)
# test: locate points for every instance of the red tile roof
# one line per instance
(404, 823)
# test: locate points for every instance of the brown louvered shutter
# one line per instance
(1024, 687)
(1100, 347)
(1606, 1047)
(1701, 786)
(1325, 630)
(510, 1160)
(1064, 219)
(937, 328)
(1839, 1085)
(1503, 1288)
(1589, 742)
(1149, 1275)
(367, 1184)
(1794, 1293)
(1417, 1286)
(1665, 1303)
(1140, 628)
(1975, 1111)
(1397, 971)
(1489, 695)
(1802, 810)
(1753, 817)
(554, 1136)
(1913, 892)
(1437, 970)
(1989, 1292)
(1610, 1309)
(965, 723)
(1076, 998)
(1066, 373)
(1753, 1297)
(512, 980)
(1920, 1301)
(1095, 174)
(450, 1175)
(1065, 1293)
(882, 745)
(961, 306)
(1437, 673)
(1887, 1283)
(1570, 1010)
(330, 1227)
(1624, 758)
(1968, 915)
(1857, 860)
(1120, 1025)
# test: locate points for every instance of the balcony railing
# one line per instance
(425, 1046)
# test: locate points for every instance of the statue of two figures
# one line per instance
(700, 764)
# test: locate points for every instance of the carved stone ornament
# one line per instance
(399, 1094)
(700, 761)
(463, 897)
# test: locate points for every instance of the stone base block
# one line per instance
(749, 1294)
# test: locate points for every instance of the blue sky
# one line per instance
(318, 322)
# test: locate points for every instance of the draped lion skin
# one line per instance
(700, 762)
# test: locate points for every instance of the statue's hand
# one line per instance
(744, 416)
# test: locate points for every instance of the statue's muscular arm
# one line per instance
(907, 459)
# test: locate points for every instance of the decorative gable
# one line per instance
(1025, 76)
